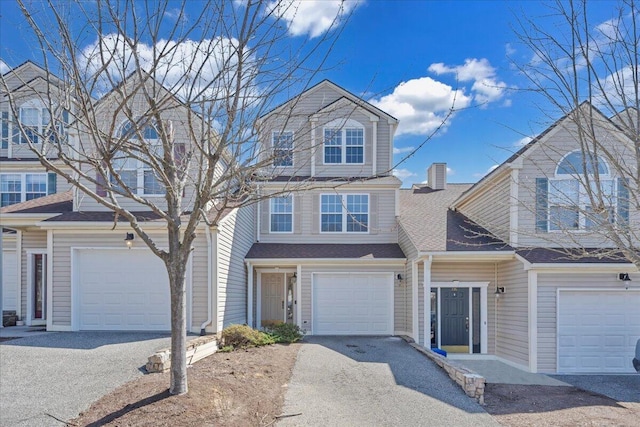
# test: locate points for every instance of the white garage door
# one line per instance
(9, 280)
(353, 304)
(597, 331)
(125, 290)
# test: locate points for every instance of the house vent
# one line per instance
(437, 176)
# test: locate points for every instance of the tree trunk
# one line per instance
(176, 268)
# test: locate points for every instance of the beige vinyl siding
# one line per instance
(30, 240)
(491, 208)
(297, 119)
(512, 334)
(411, 253)
(64, 241)
(382, 220)
(542, 162)
(235, 238)
(308, 270)
(548, 284)
(463, 272)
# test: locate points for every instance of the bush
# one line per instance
(242, 336)
(285, 332)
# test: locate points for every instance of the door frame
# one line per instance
(483, 312)
(283, 271)
(29, 320)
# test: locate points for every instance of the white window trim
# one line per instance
(271, 213)
(345, 213)
(140, 168)
(23, 183)
(273, 146)
(342, 126)
(581, 205)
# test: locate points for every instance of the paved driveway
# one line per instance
(621, 388)
(381, 381)
(52, 377)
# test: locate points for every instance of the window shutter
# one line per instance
(542, 204)
(297, 214)
(623, 201)
(100, 187)
(373, 214)
(315, 214)
(265, 219)
(51, 183)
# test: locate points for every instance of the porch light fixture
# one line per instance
(499, 291)
(624, 277)
(129, 240)
(294, 279)
(399, 276)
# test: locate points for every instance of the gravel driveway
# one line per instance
(53, 377)
(382, 381)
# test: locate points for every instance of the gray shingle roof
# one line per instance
(432, 226)
(570, 256)
(324, 251)
(54, 203)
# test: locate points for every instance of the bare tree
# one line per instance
(589, 73)
(173, 91)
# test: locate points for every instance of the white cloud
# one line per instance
(509, 50)
(3, 67)
(403, 174)
(189, 69)
(450, 172)
(421, 104)
(481, 174)
(619, 88)
(486, 87)
(522, 141)
(401, 150)
(312, 17)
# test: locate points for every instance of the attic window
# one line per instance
(282, 148)
(344, 142)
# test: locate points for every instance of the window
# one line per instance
(135, 173)
(344, 145)
(344, 213)
(282, 148)
(281, 214)
(4, 132)
(16, 188)
(570, 201)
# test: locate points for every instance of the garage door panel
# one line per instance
(597, 331)
(122, 290)
(353, 304)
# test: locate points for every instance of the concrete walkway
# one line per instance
(50, 378)
(367, 381)
(496, 372)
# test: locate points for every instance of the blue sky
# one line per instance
(404, 56)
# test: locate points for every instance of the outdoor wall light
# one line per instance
(129, 240)
(399, 276)
(499, 291)
(624, 277)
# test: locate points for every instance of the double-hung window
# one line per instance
(16, 187)
(137, 174)
(344, 145)
(581, 196)
(282, 148)
(281, 214)
(344, 213)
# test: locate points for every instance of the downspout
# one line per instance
(210, 283)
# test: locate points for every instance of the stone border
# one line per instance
(472, 383)
(197, 349)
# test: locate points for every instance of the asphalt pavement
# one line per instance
(48, 379)
(621, 388)
(374, 381)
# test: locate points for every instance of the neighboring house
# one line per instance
(338, 248)
(503, 285)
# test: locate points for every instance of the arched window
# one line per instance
(582, 195)
(137, 174)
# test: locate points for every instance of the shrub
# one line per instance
(242, 336)
(285, 332)
(226, 349)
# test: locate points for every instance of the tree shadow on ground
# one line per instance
(130, 407)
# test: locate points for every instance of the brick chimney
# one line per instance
(437, 176)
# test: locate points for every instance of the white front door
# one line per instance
(122, 290)
(353, 304)
(597, 330)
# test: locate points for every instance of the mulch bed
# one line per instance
(535, 405)
(242, 388)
